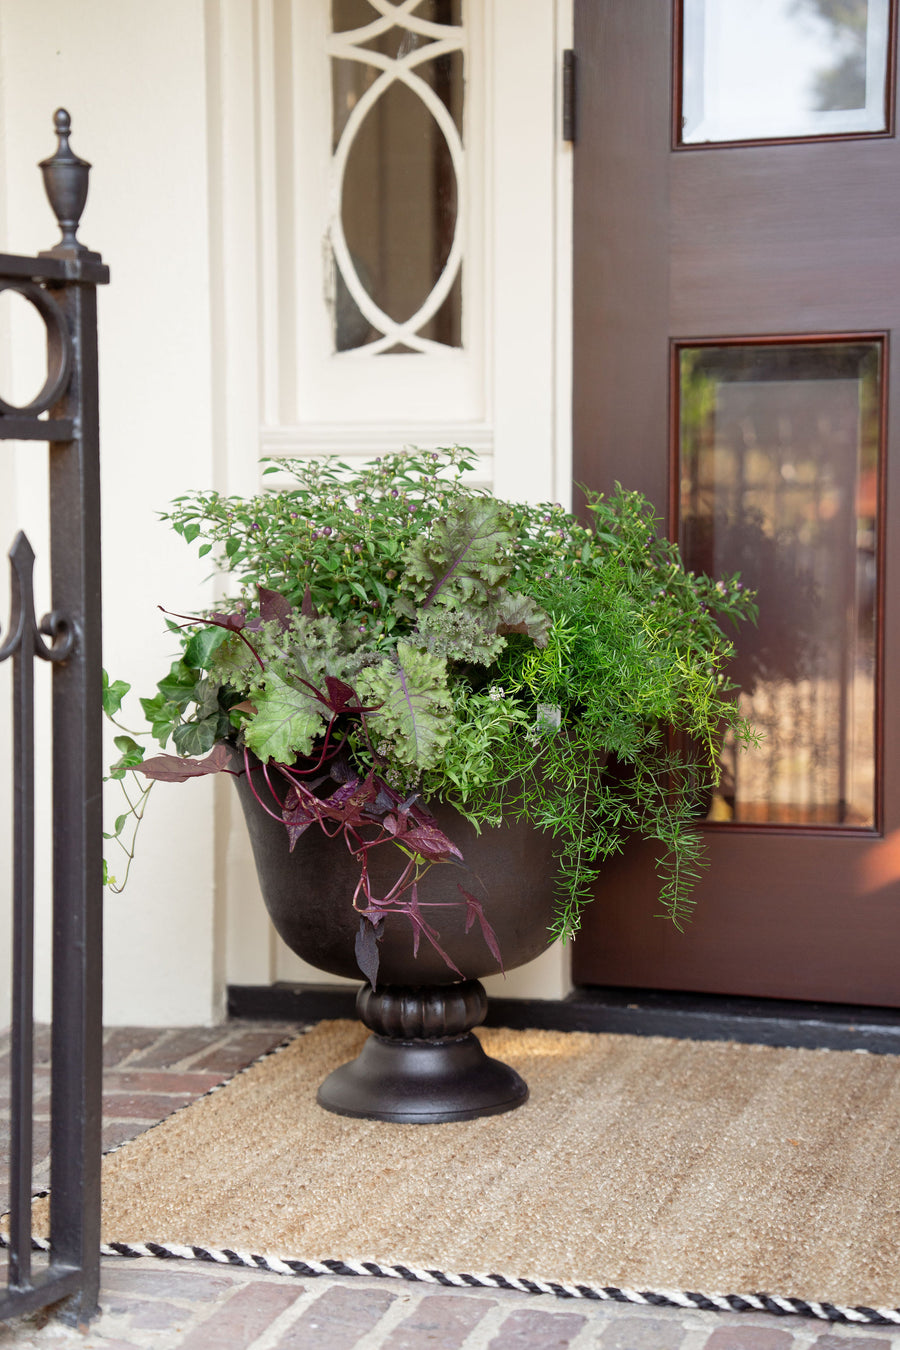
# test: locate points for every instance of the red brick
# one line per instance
(440, 1322)
(143, 1106)
(642, 1333)
(239, 1051)
(160, 1081)
(749, 1336)
(119, 1043)
(145, 1314)
(176, 1046)
(193, 1283)
(530, 1329)
(118, 1132)
(831, 1342)
(337, 1319)
(243, 1318)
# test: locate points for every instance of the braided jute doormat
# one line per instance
(641, 1170)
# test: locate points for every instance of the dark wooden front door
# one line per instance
(737, 358)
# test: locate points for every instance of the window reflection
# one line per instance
(779, 472)
(757, 69)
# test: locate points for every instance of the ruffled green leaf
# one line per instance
(415, 704)
(522, 614)
(286, 723)
(463, 558)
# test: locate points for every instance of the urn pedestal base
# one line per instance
(422, 1065)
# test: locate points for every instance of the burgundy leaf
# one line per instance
(475, 911)
(298, 813)
(431, 843)
(350, 798)
(174, 769)
(367, 940)
(426, 840)
(307, 608)
(340, 771)
(272, 605)
(234, 621)
(341, 695)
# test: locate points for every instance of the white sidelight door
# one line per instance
(392, 262)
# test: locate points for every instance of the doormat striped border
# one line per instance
(776, 1304)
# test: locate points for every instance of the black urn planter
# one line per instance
(422, 1064)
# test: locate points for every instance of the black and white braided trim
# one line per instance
(657, 1298)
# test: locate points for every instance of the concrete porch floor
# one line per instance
(151, 1303)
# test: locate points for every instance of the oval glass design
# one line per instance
(779, 466)
(780, 69)
(399, 203)
(397, 118)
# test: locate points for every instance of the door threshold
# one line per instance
(632, 1012)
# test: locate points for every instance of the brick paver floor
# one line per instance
(150, 1304)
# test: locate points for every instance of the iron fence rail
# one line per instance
(61, 285)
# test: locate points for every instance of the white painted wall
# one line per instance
(180, 106)
(132, 77)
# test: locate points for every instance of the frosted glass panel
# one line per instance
(779, 481)
(758, 69)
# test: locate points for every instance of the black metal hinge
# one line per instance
(568, 95)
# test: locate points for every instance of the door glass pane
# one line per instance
(779, 481)
(397, 86)
(757, 69)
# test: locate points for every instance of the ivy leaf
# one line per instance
(195, 738)
(113, 694)
(464, 558)
(201, 646)
(162, 715)
(414, 704)
(131, 755)
(179, 685)
(287, 721)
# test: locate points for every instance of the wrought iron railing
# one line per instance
(61, 285)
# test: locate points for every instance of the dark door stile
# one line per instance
(731, 242)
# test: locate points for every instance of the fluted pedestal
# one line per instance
(422, 1065)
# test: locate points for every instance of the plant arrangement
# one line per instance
(399, 636)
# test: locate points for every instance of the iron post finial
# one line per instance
(66, 185)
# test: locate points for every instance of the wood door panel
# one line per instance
(757, 929)
(759, 227)
(765, 240)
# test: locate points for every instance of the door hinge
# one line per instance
(568, 95)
